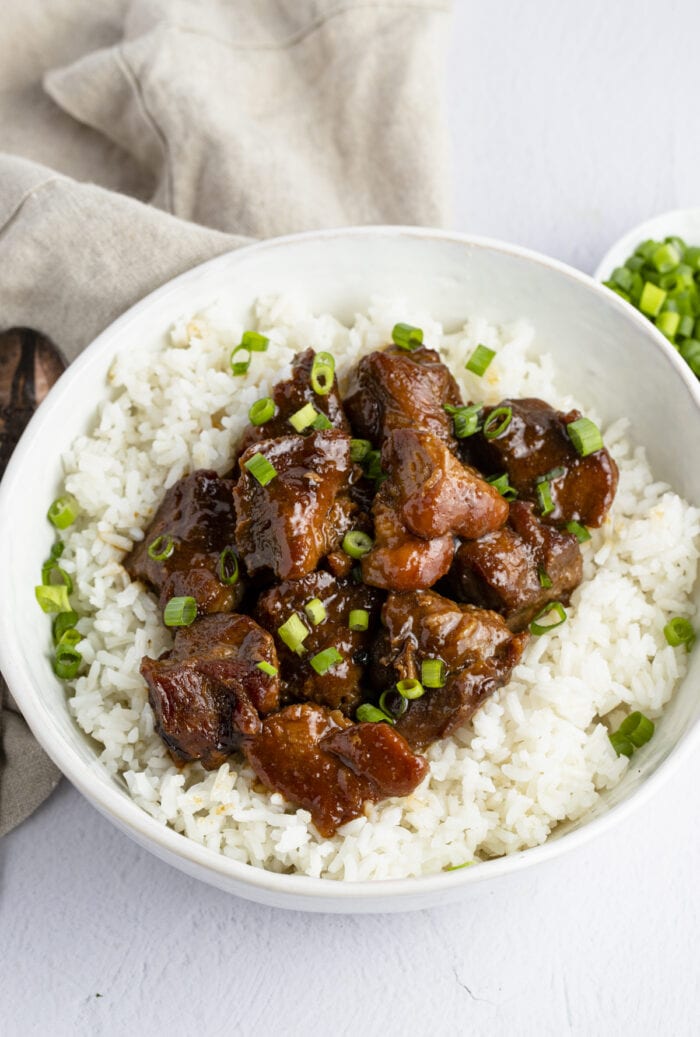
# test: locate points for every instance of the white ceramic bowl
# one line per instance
(606, 353)
(683, 223)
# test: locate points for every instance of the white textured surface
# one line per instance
(571, 122)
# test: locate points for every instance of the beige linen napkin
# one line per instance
(247, 120)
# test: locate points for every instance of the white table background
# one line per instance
(570, 122)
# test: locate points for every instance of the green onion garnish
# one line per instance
(652, 299)
(579, 531)
(367, 714)
(679, 631)
(64, 621)
(634, 732)
(358, 619)
(227, 567)
(465, 420)
(63, 512)
(69, 637)
(251, 342)
(410, 689)
(544, 496)
(261, 469)
(180, 612)
(57, 549)
(53, 598)
(262, 410)
(554, 473)
(405, 336)
(373, 465)
(304, 417)
(497, 422)
(50, 569)
(161, 548)
(544, 578)
(357, 544)
(480, 359)
(322, 373)
(67, 662)
(359, 448)
(666, 258)
(458, 867)
(321, 423)
(585, 436)
(293, 633)
(500, 483)
(544, 628)
(398, 705)
(432, 673)
(315, 610)
(323, 661)
(267, 668)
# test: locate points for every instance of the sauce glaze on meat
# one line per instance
(452, 575)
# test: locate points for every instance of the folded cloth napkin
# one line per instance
(247, 120)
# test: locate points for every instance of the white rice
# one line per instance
(536, 754)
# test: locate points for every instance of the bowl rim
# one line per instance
(125, 812)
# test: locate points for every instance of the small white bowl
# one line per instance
(606, 352)
(682, 223)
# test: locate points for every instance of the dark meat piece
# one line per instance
(504, 571)
(319, 760)
(339, 687)
(290, 396)
(289, 525)
(436, 493)
(398, 389)
(197, 512)
(536, 443)
(208, 691)
(476, 646)
(399, 560)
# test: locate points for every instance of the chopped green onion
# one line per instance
(465, 420)
(544, 628)
(304, 417)
(321, 423)
(373, 465)
(634, 732)
(161, 548)
(367, 714)
(357, 544)
(480, 359)
(622, 277)
(405, 336)
(322, 373)
(293, 633)
(70, 638)
(324, 661)
(544, 578)
(227, 567)
(315, 610)
(432, 673)
(410, 689)
(544, 496)
(585, 436)
(690, 351)
(500, 483)
(261, 469)
(579, 531)
(686, 327)
(251, 342)
(666, 258)
(53, 598)
(67, 662)
(358, 619)
(63, 512)
(180, 612)
(50, 569)
(64, 621)
(267, 668)
(359, 448)
(261, 411)
(555, 473)
(668, 323)
(458, 867)
(57, 549)
(396, 707)
(679, 631)
(497, 422)
(652, 299)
